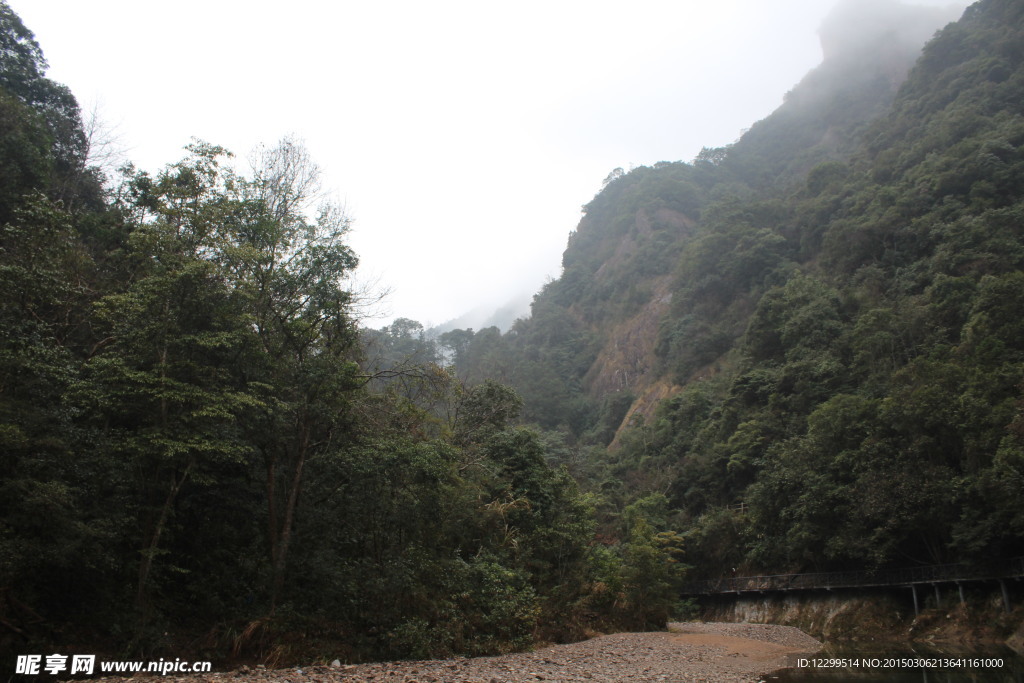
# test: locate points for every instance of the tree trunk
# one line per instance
(281, 536)
(146, 563)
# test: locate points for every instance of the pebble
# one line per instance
(636, 657)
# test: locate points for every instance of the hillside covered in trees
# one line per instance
(197, 455)
(803, 351)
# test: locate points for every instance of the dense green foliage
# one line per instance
(838, 300)
(199, 445)
(802, 351)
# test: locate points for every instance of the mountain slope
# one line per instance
(820, 321)
(643, 272)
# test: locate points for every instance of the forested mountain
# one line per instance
(202, 455)
(802, 351)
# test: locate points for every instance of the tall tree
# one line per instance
(289, 261)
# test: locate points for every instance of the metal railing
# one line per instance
(858, 578)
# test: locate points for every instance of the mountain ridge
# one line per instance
(875, 77)
(777, 326)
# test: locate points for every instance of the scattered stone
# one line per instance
(712, 652)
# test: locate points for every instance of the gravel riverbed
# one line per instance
(690, 652)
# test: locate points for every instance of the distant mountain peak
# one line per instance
(856, 25)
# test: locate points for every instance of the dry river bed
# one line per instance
(688, 652)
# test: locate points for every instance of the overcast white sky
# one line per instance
(462, 135)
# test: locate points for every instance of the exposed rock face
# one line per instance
(627, 362)
(869, 47)
(881, 615)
